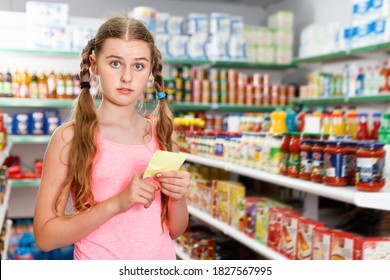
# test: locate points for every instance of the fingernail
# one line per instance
(158, 175)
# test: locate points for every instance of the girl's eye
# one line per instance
(138, 66)
(115, 64)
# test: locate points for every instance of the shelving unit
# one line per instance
(342, 99)
(378, 200)
(180, 253)
(29, 139)
(5, 153)
(24, 183)
(236, 234)
(344, 55)
(8, 227)
(4, 206)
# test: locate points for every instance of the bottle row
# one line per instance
(353, 80)
(299, 155)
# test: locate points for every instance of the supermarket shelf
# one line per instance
(343, 55)
(376, 200)
(180, 253)
(243, 64)
(182, 106)
(244, 108)
(22, 183)
(37, 103)
(342, 99)
(237, 235)
(40, 52)
(184, 61)
(192, 106)
(29, 139)
(4, 255)
(5, 153)
(4, 205)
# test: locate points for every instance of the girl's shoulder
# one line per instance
(64, 133)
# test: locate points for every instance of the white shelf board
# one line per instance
(5, 153)
(375, 200)
(4, 254)
(4, 205)
(237, 235)
(180, 253)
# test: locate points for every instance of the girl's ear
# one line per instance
(93, 66)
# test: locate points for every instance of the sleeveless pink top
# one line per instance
(133, 235)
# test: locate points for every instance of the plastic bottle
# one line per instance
(291, 119)
(360, 82)
(352, 123)
(384, 78)
(338, 125)
(16, 82)
(7, 86)
(301, 118)
(376, 124)
(33, 87)
(25, 84)
(42, 86)
(326, 122)
(363, 127)
(278, 121)
(60, 86)
(368, 80)
(51, 85)
(376, 81)
(346, 77)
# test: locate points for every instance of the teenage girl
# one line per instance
(98, 158)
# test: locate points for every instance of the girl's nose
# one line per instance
(126, 75)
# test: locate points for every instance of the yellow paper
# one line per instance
(164, 161)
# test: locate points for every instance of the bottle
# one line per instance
(376, 81)
(326, 122)
(352, 123)
(353, 73)
(51, 85)
(376, 124)
(60, 86)
(384, 76)
(360, 82)
(3, 133)
(68, 86)
(7, 86)
(338, 125)
(278, 121)
(346, 83)
(363, 127)
(368, 81)
(24, 85)
(291, 119)
(42, 86)
(16, 82)
(76, 85)
(301, 118)
(33, 87)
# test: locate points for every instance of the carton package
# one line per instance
(304, 243)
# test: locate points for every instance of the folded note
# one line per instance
(164, 161)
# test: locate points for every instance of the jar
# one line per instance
(336, 164)
(306, 159)
(370, 163)
(352, 147)
(285, 153)
(317, 166)
(260, 140)
(294, 160)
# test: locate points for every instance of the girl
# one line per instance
(99, 158)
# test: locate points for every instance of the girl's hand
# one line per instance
(174, 184)
(138, 191)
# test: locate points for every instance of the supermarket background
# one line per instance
(279, 105)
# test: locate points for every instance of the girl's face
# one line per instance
(123, 68)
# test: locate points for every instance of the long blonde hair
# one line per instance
(83, 147)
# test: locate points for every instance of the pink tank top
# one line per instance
(137, 233)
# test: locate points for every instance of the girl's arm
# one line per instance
(53, 230)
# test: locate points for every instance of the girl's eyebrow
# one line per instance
(120, 57)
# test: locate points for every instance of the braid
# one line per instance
(83, 147)
(164, 120)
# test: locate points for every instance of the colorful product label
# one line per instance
(294, 163)
(306, 161)
(317, 167)
(369, 170)
(336, 165)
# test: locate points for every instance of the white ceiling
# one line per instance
(259, 3)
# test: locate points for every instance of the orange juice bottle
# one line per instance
(352, 123)
(278, 121)
(338, 124)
